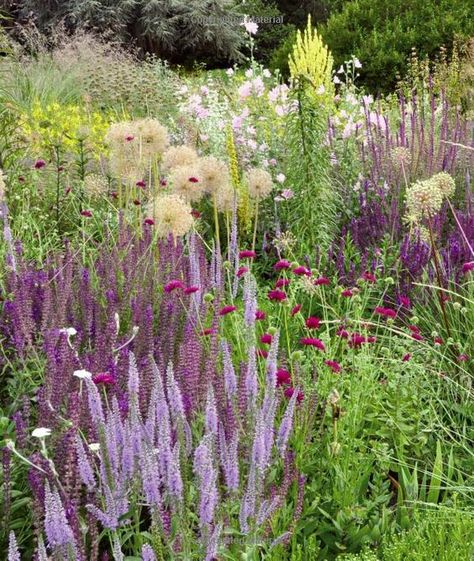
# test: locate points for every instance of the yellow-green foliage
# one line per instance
(244, 207)
(312, 62)
(64, 125)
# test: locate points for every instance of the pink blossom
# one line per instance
(173, 285)
(333, 365)
(191, 289)
(247, 254)
(103, 378)
(289, 394)
(277, 295)
(283, 377)
(227, 310)
(282, 282)
(386, 312)
(321, 281)
(241, 271)
(282, 264)
(266, 338)
(300, 271)
(313, 342)
(296, 309)
(260, 315)
(313, 322)
(467, 267)
(39, 164)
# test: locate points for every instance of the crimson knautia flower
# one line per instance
(140, 183)
(227, 310)
(438, 341)
(207, 331)
(193, 179)
(260, 315)
(39, 164)
(333, 365)
(406, 357)
(282, 282)
(247, 254)
(321, 281)
(386, 312)
(289, 394)
(266, 338)
(173, 285)
(262, 353)
(417, 337)
(136, 202)
(277, 295)
(191, 289)
(347, 293)
(313, 342)
(463, 358)
(467, 267)
(404, 301)
(241, 271)
(282, 264)
(414, 328)
(302, 271)
(103, 378)
(283, 377)
(313, 322)
(86, 213)
(369, 277)
(356, 340)
(295, 309)
(343, 333)
(149, 222)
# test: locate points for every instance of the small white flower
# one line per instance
(357, 63)
(230, 72)
(341, 70)
(41, 432)
(249, 73)
(82, 374)
(267, 73)
(321, 90)
(69, 331)
(336, 80)
(250, 27)
(280, 178)
(94, 446)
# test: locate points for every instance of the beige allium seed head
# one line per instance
(177, 156)
(424, 200)
(95, 185)
(120, 135)
(260, 183)
(187, 183)
(445, 183)
(401, 156)
(152, 137)
(214, 174)
(172, 215)
(224, 197)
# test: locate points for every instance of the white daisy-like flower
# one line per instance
(41, 432)
(69, 331)
(94, 446)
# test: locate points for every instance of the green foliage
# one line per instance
(381, 33)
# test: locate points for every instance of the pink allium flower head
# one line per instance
(300, 271)
(313, 342)
(283, 377)
(39, 164)
(247, 254)
(191, 289)
(227, 310)
(347, 293)
(241, 271)
(406, 357)
(333, 365)
(193, 179)
(289, 394)
(86, 213)
(149, 221)
(260, 315)
(266, 338)
(282, 282)
(322, 281)
(103, 378)
(467, 267)
(386, 312)
(277, 295)
(313, 322)
(295, 309)
(173, 285)
(140, 183)
(282, 264)
(262, 353)
(369, 277)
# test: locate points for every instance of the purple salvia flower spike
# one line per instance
(211, 418)
(13, 553)
(251, 382)
(175, 482)
(95, 403)
(58, 532)
(286, 425)
(147, 553)
(83, 464)
(213, 543)
(230, 379)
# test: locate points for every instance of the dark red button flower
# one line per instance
(322, 281)
(266, 338)
(277, 295)
(333, 365)
(302, 271)
(260, 315)
(283, 377)
(313, 342)
(247, 254)
(282, 264)
(173, 285)
(289, 394)
(227, 310)
(313, 322)
(295, 309)
(103, 378)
